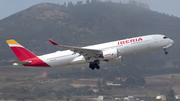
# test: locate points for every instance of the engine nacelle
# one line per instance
(119, 59)
(110, 54)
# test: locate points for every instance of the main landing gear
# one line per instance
(94, 65)
(165, 51)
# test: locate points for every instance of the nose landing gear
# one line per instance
(165, 51)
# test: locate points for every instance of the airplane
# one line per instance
(110, 52)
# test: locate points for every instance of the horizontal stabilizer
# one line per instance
(20, 62)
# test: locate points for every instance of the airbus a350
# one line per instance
(110, 52)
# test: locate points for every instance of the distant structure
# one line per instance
(111, 84)
(95, 90)
(100, 97)
(129, 98)
(177, 96)
(161, 97)
(84, 82)
(104, 98)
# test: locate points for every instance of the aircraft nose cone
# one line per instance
(171, 41)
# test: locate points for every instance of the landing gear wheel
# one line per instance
(92, 68)
(166, 52)
(93, 65)
(97, 67)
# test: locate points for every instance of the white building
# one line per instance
(177, 96)
(162, 97)
(129, 98)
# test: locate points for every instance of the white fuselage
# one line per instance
(124, 47)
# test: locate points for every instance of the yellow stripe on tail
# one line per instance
(12, 42)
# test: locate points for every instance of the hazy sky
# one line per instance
(9, 7)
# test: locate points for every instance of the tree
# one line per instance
(70, 4)
(140, 81)
(108, 1)
(132, 2)
(95, 1)
(170, 95)
(143, 5)
(59, 94)
(79, 2)
(68, 97)
(64, 4)
(23, 90)
(130, 81)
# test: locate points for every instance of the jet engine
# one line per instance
(110, 54)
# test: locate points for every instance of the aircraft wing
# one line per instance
(80, 50)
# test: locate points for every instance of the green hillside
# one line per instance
(87, 24)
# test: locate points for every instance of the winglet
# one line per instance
(52, 42)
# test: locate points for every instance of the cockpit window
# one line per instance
(165, 37)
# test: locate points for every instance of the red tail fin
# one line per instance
(21, 52)
(26, 57)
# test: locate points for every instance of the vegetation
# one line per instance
(171, 95)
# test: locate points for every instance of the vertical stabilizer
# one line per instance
(21, 52)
